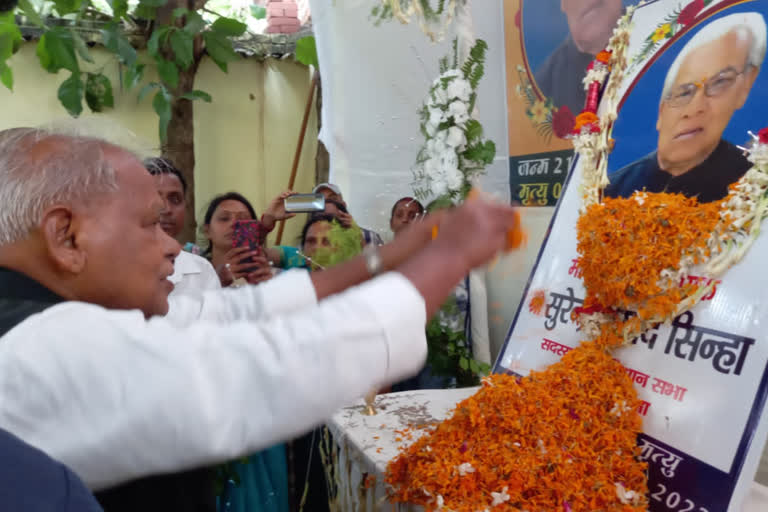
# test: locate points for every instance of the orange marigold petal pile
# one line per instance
(559, 439)
(625, 244)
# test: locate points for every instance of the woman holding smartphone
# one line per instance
(238, 263)
(259, 482)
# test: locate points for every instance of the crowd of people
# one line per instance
(141, 372)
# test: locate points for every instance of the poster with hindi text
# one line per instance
(703, 378)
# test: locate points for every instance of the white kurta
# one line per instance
(116, 397)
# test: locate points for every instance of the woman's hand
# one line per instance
(235, 268)
(276, 211)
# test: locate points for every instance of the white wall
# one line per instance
(374, 80)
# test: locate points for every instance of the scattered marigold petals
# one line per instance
(537, 302)
(527, 448)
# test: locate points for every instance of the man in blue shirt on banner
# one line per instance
(709, 80)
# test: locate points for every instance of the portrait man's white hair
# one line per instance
(749, 26)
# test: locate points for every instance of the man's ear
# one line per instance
(750, 76)
(59, 231)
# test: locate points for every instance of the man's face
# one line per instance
(128, 255)
(591, 22)
(174, 204)
(330, 195)
(690, 132)
(405, 213)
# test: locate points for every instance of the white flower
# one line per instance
(451, 73)
(626, 496)
(499, 497)
(458, 110)
(455, 137)
(439, 187)
(432, 167)
(440, 501)
(449, 161)
(460, 89)
(436, 116)
(440, 96)
(454, 179)
(441, 136)
(465, 468)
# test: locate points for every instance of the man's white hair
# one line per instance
(747, 26)
(74, 172)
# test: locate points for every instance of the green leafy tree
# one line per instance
(176, 35)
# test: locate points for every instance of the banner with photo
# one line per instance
(549, 44)
(695, 88)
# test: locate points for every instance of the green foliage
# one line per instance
(10, 39)
(71, 94)
(448, 353)
(345, 244)
(219, 49)
(98, 92)
(56, 50)
(171, 46)
(306, 51)
(258, 12)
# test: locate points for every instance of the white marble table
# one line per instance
(365, 444)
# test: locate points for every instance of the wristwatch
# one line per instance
(373, 261)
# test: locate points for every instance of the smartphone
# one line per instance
(251, 234)
(304, 203)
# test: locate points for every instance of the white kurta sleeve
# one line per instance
(288, 292)
(116, 397)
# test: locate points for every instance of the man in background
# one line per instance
(332, 194)
(709, 80)
(192, 274)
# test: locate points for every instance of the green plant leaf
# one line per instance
(220, 49)
(197, 95)
(146, 90)
(463, 363)
(182, 44)
(114, 41)
(56, 50)
(6, 75)
(29, 11)
(156, 40)
(195, 23)
(162, 105)
(119, 8)
(71, 94)
(64, 7)
(81, 47)
(10, 36)
(98, 92)
(169, 73)
(474, 130)
(145, 12)
(179, 12)
(153, 3)
(306, 51)
(229, 27)
(484, 153)
(132, 76)
(258, 12)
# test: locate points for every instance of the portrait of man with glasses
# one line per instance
(708, 81)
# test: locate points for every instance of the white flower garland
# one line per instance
(455, 151)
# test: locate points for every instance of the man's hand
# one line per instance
(276, 211)
(477, 230)
(344, 219)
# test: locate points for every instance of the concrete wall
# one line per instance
(244, 140)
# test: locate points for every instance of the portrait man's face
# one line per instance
(591, 22)
(713, 81)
